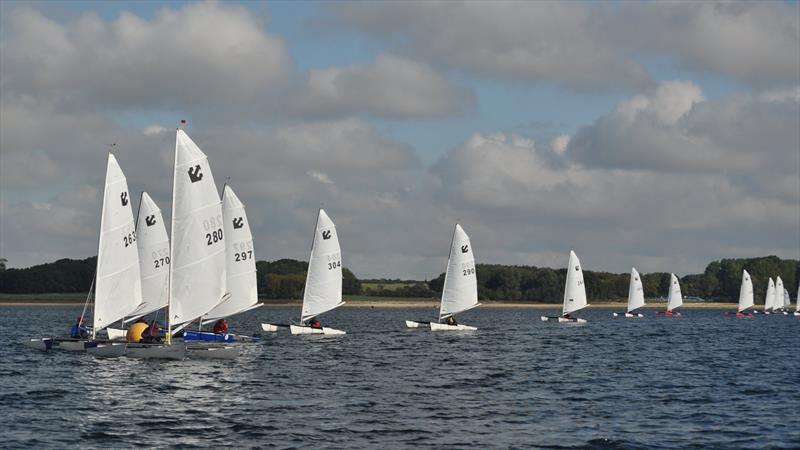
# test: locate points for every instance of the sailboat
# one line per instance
(745, 297)
(770, 297)
(153, 245)
(241, 270)
(675, 299)
(117, 285)
(574, 293)
(197, 272)
(786, 302)
(460, 292)
(635, 296)
(323, 289)
(777, 300)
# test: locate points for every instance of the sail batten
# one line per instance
(118, 290)
(574, 290)
(323, 289)
(197, 269)
(460, 290)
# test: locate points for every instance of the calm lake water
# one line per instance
(701, 381)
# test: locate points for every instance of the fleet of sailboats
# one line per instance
(460, 291)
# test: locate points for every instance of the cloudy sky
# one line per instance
(661, 135)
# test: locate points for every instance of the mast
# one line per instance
(99, 238)
(172, 243)
(444, 285)
(311, 255)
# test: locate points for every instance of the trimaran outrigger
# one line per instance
(460, 291)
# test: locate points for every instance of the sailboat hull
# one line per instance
(272, 328)
(628, 315)
(212, 352)
(414, 324)
(75, 345)
(205, 336)
(445, 327)
(298, 329)
(669, 314)
(176, 351)
(107, 349)
(117, 334)
(562, 319)
(41, 344)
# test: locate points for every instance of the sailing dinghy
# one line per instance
(635, 296)
(675, 298)
(197, 266)
(786, 302)
(241, 271)
(117, 285)
(323, 289)
(460, 292)
(153, 245)
(770, 297)
(777, 300)
(745, 297)
(574, 293)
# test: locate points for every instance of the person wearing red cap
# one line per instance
(78, 331)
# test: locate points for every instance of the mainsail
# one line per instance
(769, 300)
(635, 291)
(153, 245)
(777, 300)
(460, 291)
(675, 298)
(575, 291)
(197, 269)
(786, 300)
(241, 266)
(118, 289)
(323, 290)
(746, 292)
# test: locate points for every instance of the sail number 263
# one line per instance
(129, 238)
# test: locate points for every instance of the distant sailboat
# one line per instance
(117, 285)
(574, 293)
(635, 296)
(745, 297)
(787, 302)
(460, 292)
(777, 300)
(241, 270)
(675, 299)
(197, 267)
(770, 297)
(323, 289)
(153, 245)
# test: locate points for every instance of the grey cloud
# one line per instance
(390, 87)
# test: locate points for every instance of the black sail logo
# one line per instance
(577, 268)
(124, 198)
(326, 235)
(150, 220)
(464, 248)
(194, 174)
(238, 223)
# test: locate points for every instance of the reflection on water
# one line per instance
(702, 379)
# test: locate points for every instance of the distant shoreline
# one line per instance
(360, 302)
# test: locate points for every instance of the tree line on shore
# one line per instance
(285, 279)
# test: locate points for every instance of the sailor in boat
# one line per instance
(314, 323)
(78, 331)
(152, 335)
(221, 326)
(451, 320)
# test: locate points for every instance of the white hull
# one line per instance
(117, 334)
(41, 344)
(562, 320)
(797, 313)
(269, 327)
(108, 350)
(72, 346)
(629, 315)
(412, 324)
(445, 327)
(213, 352)
(297, 329)
(157, 351)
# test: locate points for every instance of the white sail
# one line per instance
(786, 300)
(118, 288)
(746, 292)
(460, 291)
(574, 291)
(153, 245)
(197, 269)
(675, 298)
(323, 290)
(241, 266)
(635, 291)
(777, 299)
(797, 299)
(768, 300)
